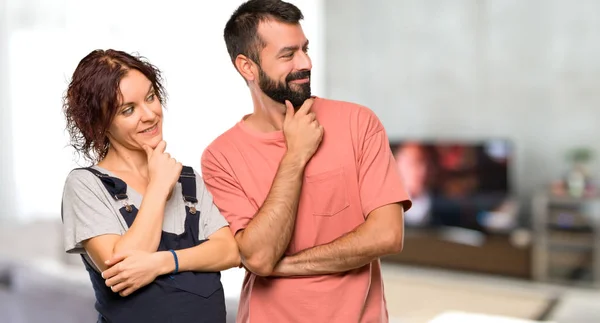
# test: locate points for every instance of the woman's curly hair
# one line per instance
(93, 96)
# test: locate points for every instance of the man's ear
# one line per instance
(246, 68)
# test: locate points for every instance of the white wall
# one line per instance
(470, 69)
(6, 178)
(184, 39)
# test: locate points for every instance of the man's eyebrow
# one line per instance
(291, 48)
(287, 49)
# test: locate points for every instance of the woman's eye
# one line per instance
(127, 111)
(150, 98)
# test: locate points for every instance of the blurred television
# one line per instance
(458, 184)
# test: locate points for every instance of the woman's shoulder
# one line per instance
(199, 179)
(81, 177)
(201, 188)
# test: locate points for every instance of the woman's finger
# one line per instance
(127, 292)
(114, 280)
(119, 287)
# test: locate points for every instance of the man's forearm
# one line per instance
(352, 250)
(340, 255)
(268, 235)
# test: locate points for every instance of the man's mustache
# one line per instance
(297, 76)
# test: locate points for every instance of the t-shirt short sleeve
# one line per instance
(211, 219)
(380, 182)
(229, 197)
(87, 211)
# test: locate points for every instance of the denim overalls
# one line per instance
(182, 297)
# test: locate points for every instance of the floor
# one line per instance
(574, 305)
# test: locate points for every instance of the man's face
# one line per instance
(284, 70)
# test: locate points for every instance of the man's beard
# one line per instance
(281, 91)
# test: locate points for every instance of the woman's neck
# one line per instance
(123, 160)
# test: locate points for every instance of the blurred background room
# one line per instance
(491, 107)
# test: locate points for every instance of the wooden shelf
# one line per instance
(566, 241)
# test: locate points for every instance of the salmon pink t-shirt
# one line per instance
(351, 174)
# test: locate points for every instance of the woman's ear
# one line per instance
(246, 68)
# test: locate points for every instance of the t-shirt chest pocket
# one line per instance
(328, 192)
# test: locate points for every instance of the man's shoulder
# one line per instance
(216, 153)
(224, 140)
(339, 104)
(350, 108)
(360, 117)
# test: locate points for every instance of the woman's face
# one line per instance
(138, 120)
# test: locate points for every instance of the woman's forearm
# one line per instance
(212, 255)
(146, 230)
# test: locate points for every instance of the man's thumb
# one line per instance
(289, 113)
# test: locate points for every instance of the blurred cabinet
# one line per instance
(566, 240)
(495, 254)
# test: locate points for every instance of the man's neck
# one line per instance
(268, 115)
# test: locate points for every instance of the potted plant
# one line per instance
(578, 177)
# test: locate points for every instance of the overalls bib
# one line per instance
(179, 298)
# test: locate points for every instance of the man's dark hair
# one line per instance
(241, 31)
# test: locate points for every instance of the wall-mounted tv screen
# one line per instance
(455, 183)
